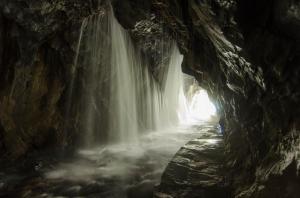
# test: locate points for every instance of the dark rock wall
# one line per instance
(37, 44)
(151, 37)
(38, 40)
(246, 53)
(1, 52)
(129, 12)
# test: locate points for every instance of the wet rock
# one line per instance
(245, 53)
(153, 41)
(129, 12)
(196, 170)
(143, 189)
(72, 191)
(93, 188)
(38, 38)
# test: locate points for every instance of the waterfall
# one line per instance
(125, 73)
(174, 105)
(96, 68)
(121, 98)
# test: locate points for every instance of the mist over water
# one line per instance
(145, 159)
(124, 170)
(144, 122)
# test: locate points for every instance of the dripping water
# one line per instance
(73, 73)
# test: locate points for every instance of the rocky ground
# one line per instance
(197, 170)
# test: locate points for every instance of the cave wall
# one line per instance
(37, 45)
(246, 53)
(151, 37)
(1, 51)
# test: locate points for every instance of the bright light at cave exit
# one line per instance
(198, 107)
(201, 108)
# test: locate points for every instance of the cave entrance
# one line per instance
(199, 107)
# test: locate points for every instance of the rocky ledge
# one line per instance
(196, 170)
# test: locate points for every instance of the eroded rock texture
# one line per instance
(37, 43)
(197, 169)
(245, 53)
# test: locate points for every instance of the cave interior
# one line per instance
(150, 98)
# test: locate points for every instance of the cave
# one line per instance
(149, 98)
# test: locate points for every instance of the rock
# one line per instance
(71, 191)
(143, 189)
(154, 43)
(129, 12)
(34, 68)
(196, 170)
(245, 53)
(94, 188)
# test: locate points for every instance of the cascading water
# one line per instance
(131, 120)
(121, 98)
(95, 62)
(135, 97)
(174, 101)
(136, 117)
(124, 79)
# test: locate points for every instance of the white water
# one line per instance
(146, 121)
(174, 101)
(122, 100)
(124, 79)
(135, 97)
(136, 103)
(96, 63)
